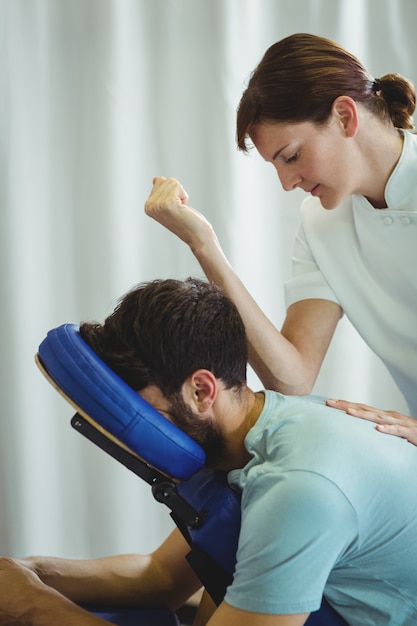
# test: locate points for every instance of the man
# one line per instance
(327, 503)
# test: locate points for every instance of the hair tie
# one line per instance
(377, 85)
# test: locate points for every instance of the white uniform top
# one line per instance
(365, 259)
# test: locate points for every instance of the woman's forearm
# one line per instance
(270, 354)
(287, 361)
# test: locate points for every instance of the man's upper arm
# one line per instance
(295, 528)
(227, 615)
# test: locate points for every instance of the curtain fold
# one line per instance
(96, 98)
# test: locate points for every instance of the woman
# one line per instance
(314, 112)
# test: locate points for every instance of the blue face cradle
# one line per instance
(111, 405)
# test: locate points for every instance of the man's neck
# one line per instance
(235, 430)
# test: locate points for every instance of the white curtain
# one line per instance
(96, 98)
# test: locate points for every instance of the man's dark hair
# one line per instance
(162, 331)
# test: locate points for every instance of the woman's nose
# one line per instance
(289, 180)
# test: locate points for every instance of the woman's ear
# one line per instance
(201, 389)
(345, 110)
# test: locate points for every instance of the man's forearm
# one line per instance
(52, 608)
(123, 580)
(163, 578)
(25, 599)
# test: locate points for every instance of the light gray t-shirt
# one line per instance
(328, 507)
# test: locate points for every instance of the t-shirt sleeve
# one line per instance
(307, 280)
(295, 528)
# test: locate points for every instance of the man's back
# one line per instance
(328, 505)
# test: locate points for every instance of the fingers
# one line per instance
(18, 565)
(366, 412)
(344, 405)
(6, 562)
(363, 411)
(167, 188)
(168, 205)
(388, 422)
(406, 431)
(158, 180)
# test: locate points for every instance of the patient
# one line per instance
(325, 506)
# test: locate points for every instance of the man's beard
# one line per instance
(203, 431)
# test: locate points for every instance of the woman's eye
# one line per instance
(292, 158)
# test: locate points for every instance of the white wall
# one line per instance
(97, 97)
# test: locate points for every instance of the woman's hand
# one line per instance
(389, 422)
(167, 204)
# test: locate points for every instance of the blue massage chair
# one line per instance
(114, 417)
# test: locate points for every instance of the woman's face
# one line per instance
(317, 159)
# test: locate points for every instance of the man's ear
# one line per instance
(345, 111)
(201, 389)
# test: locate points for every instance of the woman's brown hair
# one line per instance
(299, 78)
